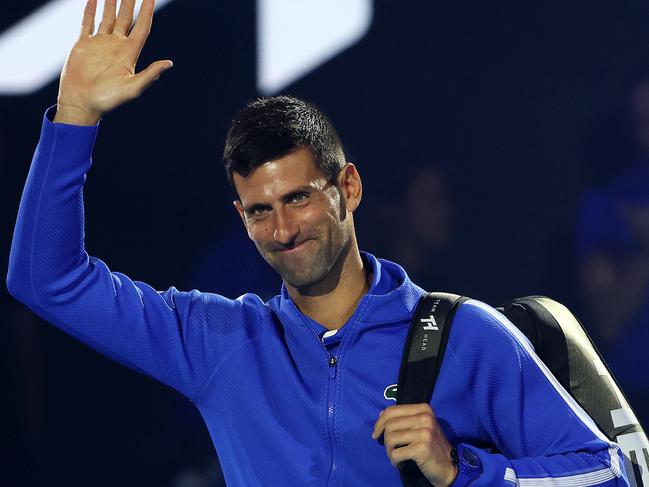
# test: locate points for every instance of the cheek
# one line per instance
(259, 231)
(317, 220)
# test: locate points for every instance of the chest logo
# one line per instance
(390, 392)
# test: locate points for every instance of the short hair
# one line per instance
(269, 128)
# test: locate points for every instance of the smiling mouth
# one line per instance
(295, 248)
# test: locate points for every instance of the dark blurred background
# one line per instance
(503, 148)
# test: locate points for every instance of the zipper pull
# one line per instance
(333, 362)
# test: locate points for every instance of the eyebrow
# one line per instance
(284, 198)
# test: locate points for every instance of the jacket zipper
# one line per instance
(332, 362)
(333, 369)
(333, 366)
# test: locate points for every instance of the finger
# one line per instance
(424, 420)
(88, 22)
(414, 451)
(142, 25)
(397, 411)
(108, 17)
(124, 17)
(143, 79)
(419, 421)
(405, 409)
(399, 439)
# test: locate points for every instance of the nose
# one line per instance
(286, 229)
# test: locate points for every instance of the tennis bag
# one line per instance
(562, 344)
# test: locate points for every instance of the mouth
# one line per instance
(295, 248)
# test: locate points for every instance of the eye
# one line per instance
(257, 211)
(298, 198)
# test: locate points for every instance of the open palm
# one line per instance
(99, 73)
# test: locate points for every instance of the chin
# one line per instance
(300, 281)
(304, 278)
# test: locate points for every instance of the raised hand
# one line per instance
(99, 73)
(411, 432)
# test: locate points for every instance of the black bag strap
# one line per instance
(422, 360)
(425, 345)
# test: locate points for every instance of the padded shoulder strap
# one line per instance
(422, 359)
(424, 348)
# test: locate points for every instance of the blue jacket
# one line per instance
(280, 411)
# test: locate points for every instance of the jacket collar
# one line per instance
(392, 297)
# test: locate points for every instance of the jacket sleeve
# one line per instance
(533, 432)
(175, 337)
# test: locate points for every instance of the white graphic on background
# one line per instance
(293, 38)
(296, 36)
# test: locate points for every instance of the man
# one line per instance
(295, 391)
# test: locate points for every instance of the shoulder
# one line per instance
(212, 307)
(482, 318)
(480, 331)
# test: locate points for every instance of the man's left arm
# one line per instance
(541, 436)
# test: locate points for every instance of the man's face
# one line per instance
(296, 218)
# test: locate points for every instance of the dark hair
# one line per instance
(270, 128)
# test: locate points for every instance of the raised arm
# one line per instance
(175, 337)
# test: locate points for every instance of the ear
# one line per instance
(351, 186)
(239, 207)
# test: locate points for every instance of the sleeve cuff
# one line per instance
(51, 112)
(469, 466)
(70, 145)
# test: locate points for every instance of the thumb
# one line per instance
(144, 78)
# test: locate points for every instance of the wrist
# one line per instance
(75, 116)
(452, 476)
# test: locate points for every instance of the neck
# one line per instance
(332, 301)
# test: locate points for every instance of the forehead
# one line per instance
(278, 177)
